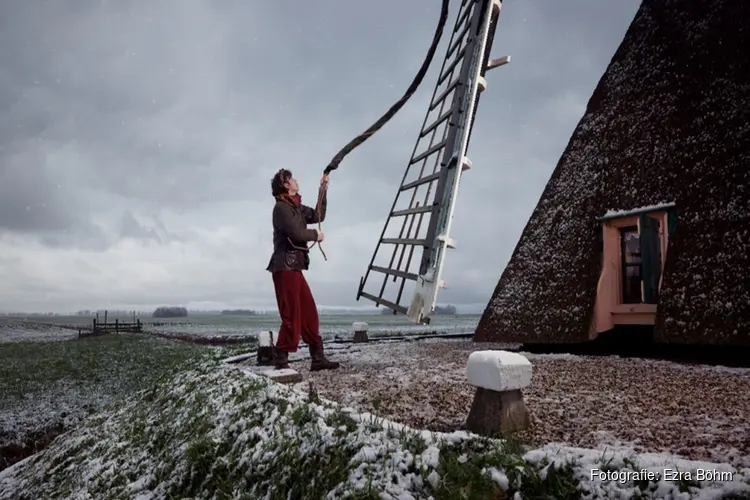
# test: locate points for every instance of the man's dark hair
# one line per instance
(278, 181)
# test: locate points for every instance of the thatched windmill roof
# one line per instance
(668, 122)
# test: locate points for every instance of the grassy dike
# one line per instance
(213, 431)
(47, 388)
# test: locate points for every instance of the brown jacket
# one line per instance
(291, 235)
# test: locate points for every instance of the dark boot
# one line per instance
(280, 359)
(319, 360)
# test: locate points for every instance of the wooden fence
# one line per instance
(102, 328)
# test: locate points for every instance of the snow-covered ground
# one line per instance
(18, 331)
(224, 330)
(332, 326)
(46, 388)
(219, 431)
(610, 427)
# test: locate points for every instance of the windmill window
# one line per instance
(635, 246)
(630, 250)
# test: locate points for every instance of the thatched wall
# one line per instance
(668, 122)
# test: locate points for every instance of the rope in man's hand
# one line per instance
(322, 193)
(334, 163)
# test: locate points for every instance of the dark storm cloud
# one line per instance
(161, 123)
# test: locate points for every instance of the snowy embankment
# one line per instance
(216, 431)
(47, 388)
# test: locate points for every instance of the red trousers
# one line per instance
(299, 314)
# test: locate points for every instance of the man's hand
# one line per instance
(321, 236)
(324, 181)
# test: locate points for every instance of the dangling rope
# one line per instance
(334, 163)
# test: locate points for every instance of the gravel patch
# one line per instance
(699, 412)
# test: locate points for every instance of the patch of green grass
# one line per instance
(342, 423)
(27, 368)
(219, 353)
(413, 441)
(49, 387)
(466, 473)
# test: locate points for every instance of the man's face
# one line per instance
(291, 186)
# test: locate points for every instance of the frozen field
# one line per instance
(232, 327)
(28, 331)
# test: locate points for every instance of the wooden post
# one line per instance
(264, 355)
(360, 331)
(105, 318)
(117, 325)
(498, 407)
(93, 329)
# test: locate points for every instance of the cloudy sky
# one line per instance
(138, 138)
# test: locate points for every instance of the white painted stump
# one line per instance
(360, 331)
(498, 407)
(265, 349)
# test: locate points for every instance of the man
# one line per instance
(299, 314)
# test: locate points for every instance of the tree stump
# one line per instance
(498, 407)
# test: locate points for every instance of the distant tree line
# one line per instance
(238, 312)
(170, 312)
(448, 310)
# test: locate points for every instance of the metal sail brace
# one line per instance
(422, 211)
